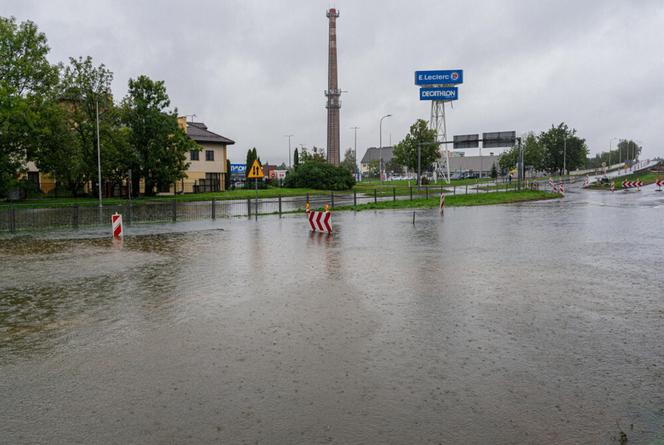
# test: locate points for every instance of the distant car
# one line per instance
(471, 175)
(456, 175)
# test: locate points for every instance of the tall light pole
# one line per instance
(565, 154)
(98, 152)
(289, 151)
(355, 149)
(380, 149)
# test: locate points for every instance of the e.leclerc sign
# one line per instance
(439, 93)
(439, 77)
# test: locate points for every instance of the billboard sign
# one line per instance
(439, 93)
(238, 169)
(439, 77)
(498, 139)
(466, 141)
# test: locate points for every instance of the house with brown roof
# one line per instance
(207, 167)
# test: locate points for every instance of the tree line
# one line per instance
(49, 114)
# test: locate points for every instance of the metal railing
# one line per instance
(14, 218)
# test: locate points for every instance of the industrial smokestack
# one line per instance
(333, 103)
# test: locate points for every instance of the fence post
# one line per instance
(12, 219)
(411, 192)
(375, 197)
(279, 205)
(426, 191)
(454, 189)
(332, 199)
(75, 217)
(249, 207)
(214, 211)
(354, 198)
(307, 196)
(175, 211)
(466, 189)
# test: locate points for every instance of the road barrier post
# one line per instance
(214, 211)
(394, 193)
(354, 198)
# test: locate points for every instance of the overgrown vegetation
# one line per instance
(318, 174)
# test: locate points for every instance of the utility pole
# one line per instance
(564, 154)
(380, 138)
(98, 153)
(355, 149)
(289, 150)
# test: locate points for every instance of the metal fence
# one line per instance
(15, 218)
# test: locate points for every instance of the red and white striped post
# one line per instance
(116, 221)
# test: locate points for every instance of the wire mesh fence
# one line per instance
(15, 218)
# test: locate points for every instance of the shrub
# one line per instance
(319, 175)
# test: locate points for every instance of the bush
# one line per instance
(319, 175)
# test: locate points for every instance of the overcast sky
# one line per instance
(255, 71)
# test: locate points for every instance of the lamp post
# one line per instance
(380, 149)
(355, 150)
(289, 149)
(611, 148)
(565, 154)
(98, 153)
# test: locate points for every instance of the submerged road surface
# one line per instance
(531, 323)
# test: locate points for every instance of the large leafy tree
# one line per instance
(533, 154)
(158, 144)
(27, 82)
(628, 150)
(562, 147)
(405, 152)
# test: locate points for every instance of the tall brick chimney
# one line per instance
(333, 92)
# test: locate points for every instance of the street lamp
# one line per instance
(356, 168)
(98, 153)
(289, 151)
(380, 149)
(611, 148)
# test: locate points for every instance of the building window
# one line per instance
(193, 155)
(209, 155)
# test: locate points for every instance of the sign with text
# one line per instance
(439, 77)
(439, 93)
(238, 169)
(466, 141)
(498, 139)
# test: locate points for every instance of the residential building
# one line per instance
(374, 154)
(207, 167)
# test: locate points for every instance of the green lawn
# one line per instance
(646, 178)
(230, 194)
(458, 200)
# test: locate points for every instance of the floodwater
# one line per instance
(531, 323)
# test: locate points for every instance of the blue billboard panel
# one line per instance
(439, 93)
(238, 169)
(438, 77)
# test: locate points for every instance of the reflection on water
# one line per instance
(536, 323)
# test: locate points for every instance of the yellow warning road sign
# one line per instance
(256, 171)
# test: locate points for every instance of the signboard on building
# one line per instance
(466, 141)
(439, 77)
(439, 93)
(498, 139)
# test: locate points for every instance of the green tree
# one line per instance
(494, 171)
(562, 146)
(349, 161)
(629, 150)
(405, 152)
(533, 154)
(27, 82)
(393, 167)
(373, 169)
(227, 176)
(158, 144)
(296, 158)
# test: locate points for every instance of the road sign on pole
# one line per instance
(498, 139)
(462, 141)
(256, 171)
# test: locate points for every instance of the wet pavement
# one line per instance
(531, 323)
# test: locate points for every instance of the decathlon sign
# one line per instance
(439, 93)
(238, 169)
(439, 77)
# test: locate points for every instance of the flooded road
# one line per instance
(531, 323)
